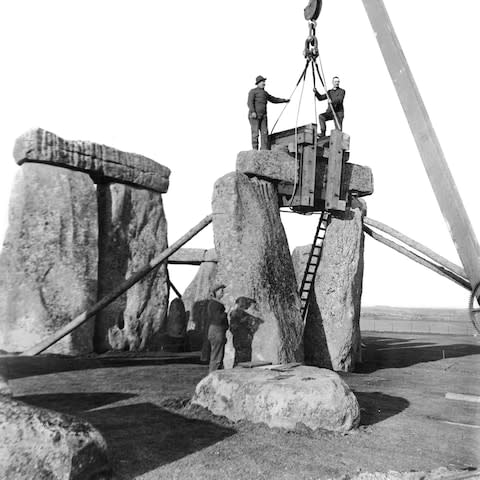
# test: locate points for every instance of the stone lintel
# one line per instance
(193, 256)
(279, 166)
(104, 164)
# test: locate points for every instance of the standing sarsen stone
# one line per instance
(254, 262)
(48, 265)
(132, 231)
(332, 330)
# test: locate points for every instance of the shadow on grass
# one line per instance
(19, 367)
(377, 407)
(74, 403)
(390, 352)
(142, 436)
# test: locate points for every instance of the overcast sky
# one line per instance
(170, 80)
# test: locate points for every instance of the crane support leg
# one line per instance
(427, 142)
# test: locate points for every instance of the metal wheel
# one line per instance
(474, 308)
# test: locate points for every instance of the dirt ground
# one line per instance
(140, 404)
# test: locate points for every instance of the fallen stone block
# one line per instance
(44, 445)
(254, 262)
(102, 162)
(303, 396)
(48, 264)
(278, 166)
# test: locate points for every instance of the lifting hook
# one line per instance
(312, 10)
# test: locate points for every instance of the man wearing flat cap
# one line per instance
(216, 329)
(257, 112)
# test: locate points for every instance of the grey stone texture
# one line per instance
(132, 231)
(102, 162)
(303, 396)
(278, 166)
(332, 330)
(254, 262)
(177, 319)
(195, 299)
(48, 265)
(44, 445)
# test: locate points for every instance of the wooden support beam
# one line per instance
(417, 258)
(415, 245)
(334, 172)
(123, 287)
(426, 139)
(192, 256)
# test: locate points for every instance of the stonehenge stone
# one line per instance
(177, 319)
(48, 265)
(132, 231)
(103, 163)
(254, 262)
(332, 330)
(279, 166)
(44, 445)
(195, 299)
(302, 396)
(4, 387)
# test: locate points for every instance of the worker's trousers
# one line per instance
(215, 347)
(328, 115)
(259, 125)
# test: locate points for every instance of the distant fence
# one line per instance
(433, 321)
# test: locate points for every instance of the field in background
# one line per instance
(452, 321)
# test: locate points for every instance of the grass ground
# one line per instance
(140, 404)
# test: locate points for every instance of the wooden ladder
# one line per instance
(312, 263)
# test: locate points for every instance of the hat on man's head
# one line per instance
(217, 287)
(259, 79)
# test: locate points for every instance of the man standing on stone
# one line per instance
(336, 95)
(257, 112)
(217, 326)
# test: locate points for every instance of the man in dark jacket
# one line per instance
(336, 95)
(257, 111)
(217, 326)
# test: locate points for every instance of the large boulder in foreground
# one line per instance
(41, 444)
(132, 231)
(48, 264)
(332, 330)
(303, 396)
(254, 262)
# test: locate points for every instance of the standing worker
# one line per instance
(217, 326)
(336, 95)
(257, 111)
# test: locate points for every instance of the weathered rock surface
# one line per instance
(279, 166)
(102, 162)
(254, 262)
(45, 445)
(48, 265)
(332, 331)
(192, 256)
(195, 299)
(441, 473)
(177, 319)
(4, 388)
(132, 231)
(309, 396)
